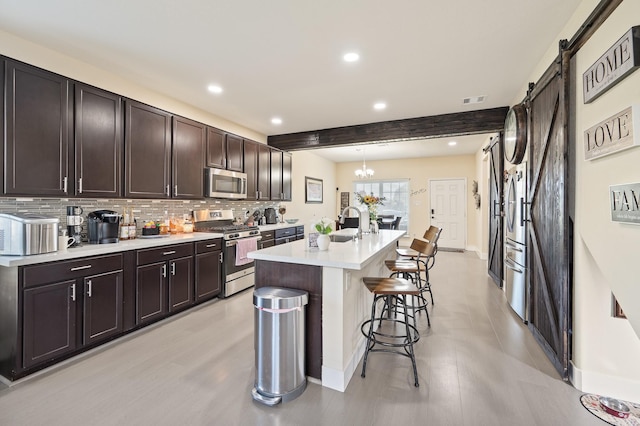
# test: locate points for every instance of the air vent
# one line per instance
(474, 100)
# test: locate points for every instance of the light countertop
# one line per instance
(99, 249)
(347, 255)
(279, 226)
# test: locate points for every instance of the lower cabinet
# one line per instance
(268, 239)
(82, 307)
(164, 281)
(208, 267)
(285, 235)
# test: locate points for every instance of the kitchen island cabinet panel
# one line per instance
(49, 325)
(37, 120)
(99, 142)
(188, 151)
(102, 306)
(148, 151)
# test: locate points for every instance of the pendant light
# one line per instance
(364, 172)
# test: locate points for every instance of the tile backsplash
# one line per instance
(143, 210)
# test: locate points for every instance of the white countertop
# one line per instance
(279, 226)
(347, 255)
(99, 249)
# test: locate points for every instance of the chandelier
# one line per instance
(364, 172)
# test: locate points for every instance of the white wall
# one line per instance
(606, 350)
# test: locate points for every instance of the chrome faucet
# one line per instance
(342, 217)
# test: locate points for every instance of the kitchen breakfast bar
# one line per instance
(338, 301)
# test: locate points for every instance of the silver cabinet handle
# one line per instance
(166, 191)
(175, 190)
(89, 286)
(211, 245)
(166, 253)
(164, 270)
(80, 185)
(513, 247)
(512, 266)
(73, 292)
(64, 184)
(221, 260)
(80, 268)
(173, 268)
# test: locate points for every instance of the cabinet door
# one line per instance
(234, 153)
(148, 151)
(250, 149)
(276, 175)
(286, 176)
(208, 275)
(102, 306)
(188, 158)
(98, 142)
(37, 132)
(49, 327)
(180, 283)
(151, 292)
(264, 173)
(216, 148)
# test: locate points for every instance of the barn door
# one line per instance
(496, 164)
(550, 233)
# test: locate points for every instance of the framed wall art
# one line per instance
(312, 190)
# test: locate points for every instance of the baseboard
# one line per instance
(604, 384)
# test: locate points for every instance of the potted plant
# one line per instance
(324, 229)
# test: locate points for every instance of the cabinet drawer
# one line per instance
(70, 269)
(286, 232)
(300, 230)
(208, 246)
(268, 235)
(164, 253)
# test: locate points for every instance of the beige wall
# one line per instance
(419, 171)
(22, 50)
(606, 350)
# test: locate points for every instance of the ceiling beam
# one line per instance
(435, 126)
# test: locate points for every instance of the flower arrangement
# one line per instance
(372, 202)
(324, 226)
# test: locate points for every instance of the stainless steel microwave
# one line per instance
(225, 184)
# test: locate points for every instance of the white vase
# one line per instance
(323, 242)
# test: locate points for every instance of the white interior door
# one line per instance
(448, 211)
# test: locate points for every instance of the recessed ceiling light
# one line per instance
(453, 143)
(379, 106)
(214, 88)
(351, 57)
(276, 120)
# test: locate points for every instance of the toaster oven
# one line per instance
(24, 234)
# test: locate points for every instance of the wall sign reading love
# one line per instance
(616, 133)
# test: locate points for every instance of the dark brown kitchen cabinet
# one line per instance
(234, 153)
(286, 176)
(37, 119)
(147, 151)
(257, 166)
(99, 142)
(49, 325)
(188, 151)
(164, 281)
(216, 148)
(264, 173)
(267, 240)
(276, 175)
(208, 268)
(69, 305)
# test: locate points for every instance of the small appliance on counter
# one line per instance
(74, 224)
(270, 215)
(103, 226)
(24, 234)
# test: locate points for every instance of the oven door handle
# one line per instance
(231, 243)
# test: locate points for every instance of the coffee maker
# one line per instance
(270, 215)
(74, 224)
(103, 226)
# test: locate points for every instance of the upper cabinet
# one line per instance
(99, 142)
(37, 122)
(286, 176)
(188, 158)
(276, 175)
(148, 151)
(257, 166)
(224, 150)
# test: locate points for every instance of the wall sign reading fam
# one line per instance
(625, 203)
(619, 61)
(312, 190)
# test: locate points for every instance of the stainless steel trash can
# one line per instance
(279, 323)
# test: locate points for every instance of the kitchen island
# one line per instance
(338, 301)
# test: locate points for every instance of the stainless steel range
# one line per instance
(237, 271)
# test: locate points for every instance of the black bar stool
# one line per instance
(393, 335)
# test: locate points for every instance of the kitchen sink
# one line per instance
(340, 238)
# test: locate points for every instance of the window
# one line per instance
(396, 194)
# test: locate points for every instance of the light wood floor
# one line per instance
(478, 365)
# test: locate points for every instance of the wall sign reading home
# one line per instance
(619, 61)
(614, 134)
(625, 203)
